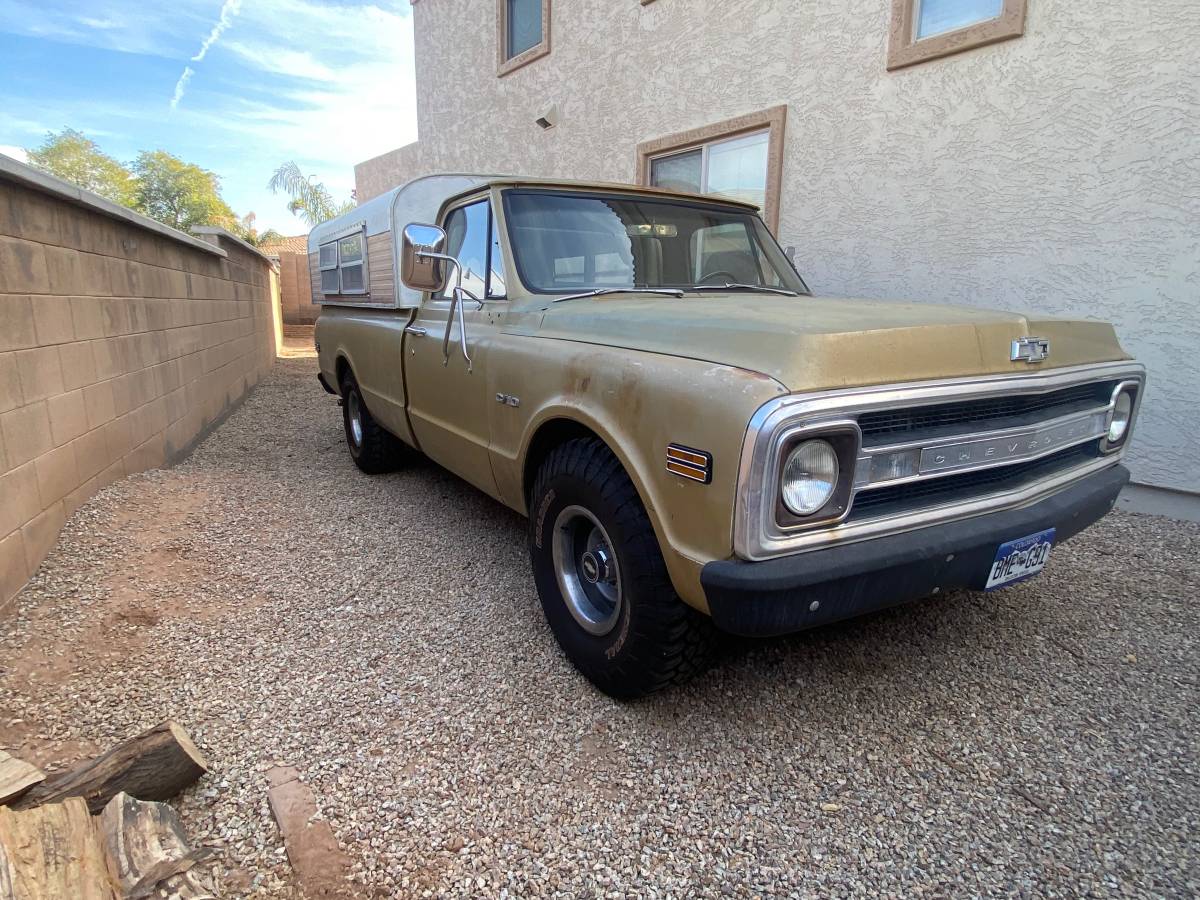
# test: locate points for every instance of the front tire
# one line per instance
(601, 577)
(373, 448)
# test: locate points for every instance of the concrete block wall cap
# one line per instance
(216, 229)
(12, 170)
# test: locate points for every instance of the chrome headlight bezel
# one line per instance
(844, 437)
(1133, 389)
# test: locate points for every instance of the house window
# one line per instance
(523, 32)
(928, 29)
(343, 265)
(736, 167)
(741, 158)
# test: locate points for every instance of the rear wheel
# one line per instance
(373, 448)
(601, 577)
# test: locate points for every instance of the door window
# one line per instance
(473, 239)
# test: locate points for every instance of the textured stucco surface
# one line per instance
(1057, 171)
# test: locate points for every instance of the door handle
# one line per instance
(415, 329)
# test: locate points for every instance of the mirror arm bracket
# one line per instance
(455, 307)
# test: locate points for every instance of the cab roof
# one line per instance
(508, 181)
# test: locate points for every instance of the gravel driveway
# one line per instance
(382, 636)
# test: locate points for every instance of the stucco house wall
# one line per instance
(122, 342)
(1058, 170)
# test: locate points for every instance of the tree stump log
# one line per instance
(17, 776)
(148, 853)
(52, 852)
(155, 765)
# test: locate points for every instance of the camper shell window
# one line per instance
(343, 264)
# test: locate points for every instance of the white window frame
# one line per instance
(704, 153)
(335, 243)
(772, 120)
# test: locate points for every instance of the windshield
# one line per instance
(573, 242)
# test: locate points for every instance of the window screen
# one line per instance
(328, 256)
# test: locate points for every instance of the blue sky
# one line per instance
(326, 84)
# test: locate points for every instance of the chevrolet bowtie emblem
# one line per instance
(1030, 349)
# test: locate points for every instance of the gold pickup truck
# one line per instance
(699, 443)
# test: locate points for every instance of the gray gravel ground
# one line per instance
(382, 635)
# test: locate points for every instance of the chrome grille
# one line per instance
(987, 413)
(933, 451)
(919, 494)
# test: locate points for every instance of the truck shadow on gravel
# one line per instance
(918, 640)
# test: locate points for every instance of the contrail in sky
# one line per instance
(229, 9)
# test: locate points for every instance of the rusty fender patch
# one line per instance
(541, 517)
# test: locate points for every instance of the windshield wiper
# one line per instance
(670, 292)
(736, 285)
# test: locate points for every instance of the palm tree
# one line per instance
(311, 200)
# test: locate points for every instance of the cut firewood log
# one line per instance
(155, 765)
(52, 852)
(17, 776)
(148, 853)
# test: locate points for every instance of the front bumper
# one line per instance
(777, 596)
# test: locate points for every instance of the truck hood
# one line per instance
(813, 343)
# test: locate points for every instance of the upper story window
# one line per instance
(929, 29)
(741, 158)
(524, 32)
(343, 264)
(472, 238)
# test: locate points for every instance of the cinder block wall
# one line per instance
(121, 343)
(296, 290)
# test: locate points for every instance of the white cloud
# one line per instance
(325, 85)
(121, 25)
(229, 9)
(181, 85)
(17, 153)
(282, 61)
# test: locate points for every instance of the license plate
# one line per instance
(1020, 559)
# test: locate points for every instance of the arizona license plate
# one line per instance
(1020, 559)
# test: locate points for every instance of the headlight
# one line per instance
(1118, 427)
(810, 477)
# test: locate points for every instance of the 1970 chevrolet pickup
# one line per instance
(698, 442)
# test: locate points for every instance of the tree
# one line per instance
(311, 200)
(248, 231)
(180, 194)
(77, 159)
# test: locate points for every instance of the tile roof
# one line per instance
(297, 244)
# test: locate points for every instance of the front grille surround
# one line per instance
(983, 414)
(915, 414)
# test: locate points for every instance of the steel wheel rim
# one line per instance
(354, 407)
(586, 567)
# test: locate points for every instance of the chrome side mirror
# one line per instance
(422, 263)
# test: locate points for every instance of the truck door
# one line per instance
(448, 401)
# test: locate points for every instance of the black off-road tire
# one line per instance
(379, 450)
(657, 639)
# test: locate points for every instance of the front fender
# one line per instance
(637, 403)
